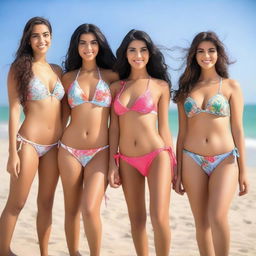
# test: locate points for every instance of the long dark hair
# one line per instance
(192, 71)
(156, 66)
(105, 57)
(22, 64)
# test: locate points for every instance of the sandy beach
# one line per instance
(117, 240)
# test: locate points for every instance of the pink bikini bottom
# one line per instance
(142, 163)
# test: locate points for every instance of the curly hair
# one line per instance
(192, 71)
(105, 57)
(22, 64)
(156, 66)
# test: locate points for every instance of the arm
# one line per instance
(65, 109)
(163, 109)
(236, 118)
(179, 148)
(13, 164)
(113, 174)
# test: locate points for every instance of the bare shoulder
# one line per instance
(232, 85)
(115, 86)
(161, 84)
(57, 69)
(68, 78)
(109, 75)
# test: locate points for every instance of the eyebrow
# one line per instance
(133, 48)
(212, 48)
(35, 33)
(94, 40)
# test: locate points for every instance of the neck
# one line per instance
(209, 74)
(39, 59)
(89, 66)
(138, 74)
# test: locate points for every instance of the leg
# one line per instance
(195, 182)
(222, 186)
(48, 175)
(19, 189)
(159, 182)
(95, 184)
(72, 182)
(133, 184)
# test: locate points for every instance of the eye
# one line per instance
(95, 42)
(82, 42)
(131, 50)
(46, 35)
(212, 50)
(199, 51)
(144, 49)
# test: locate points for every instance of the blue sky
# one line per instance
(169, 23)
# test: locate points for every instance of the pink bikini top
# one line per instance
(144, 104)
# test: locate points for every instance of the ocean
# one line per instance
(249, 120)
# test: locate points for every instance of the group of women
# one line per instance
(66, 132)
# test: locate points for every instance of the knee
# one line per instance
(138, 221)
(159, 217)
(218, 219)
(90, 212)
(16, 208)
(45, 204)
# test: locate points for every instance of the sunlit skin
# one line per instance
(42, 125)
(136, 134)
(208, 135)
(84, 188)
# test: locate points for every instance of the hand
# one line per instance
(114, 177)
(178, 187)
(13, 165)
(243, 184)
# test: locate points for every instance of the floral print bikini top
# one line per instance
(101, 97)
(37, 90)
(217, 105)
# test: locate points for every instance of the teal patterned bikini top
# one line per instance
(217, 105)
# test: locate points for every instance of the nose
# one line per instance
(138, 54)
(41, 38)
(89, 46)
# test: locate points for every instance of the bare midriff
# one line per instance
(208, 135)
(42, 122)
(88, 127)
(138, 134)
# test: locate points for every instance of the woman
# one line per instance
(83, 154)
(35, 84)
(140, 147)
(210, 139)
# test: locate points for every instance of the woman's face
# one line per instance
(88, 46)
(137, 54)
(206, 55)
(40, 39)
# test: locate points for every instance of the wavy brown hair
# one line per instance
(192, 71)
(22, 65)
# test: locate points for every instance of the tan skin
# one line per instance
(131, 132)
(42, 125)
(208, 135)
(88, 129)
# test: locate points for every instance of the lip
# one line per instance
(206, 61)
(138, 61)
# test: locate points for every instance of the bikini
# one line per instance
(76, 97)
(144, 105)
(38, 91)
(217, 105)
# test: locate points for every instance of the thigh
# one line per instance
(48, 173)
(222, 186)
(195, 182)
(133, 184)
(19, 187)
(159, 182)
(95, 179)
(71, 177)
